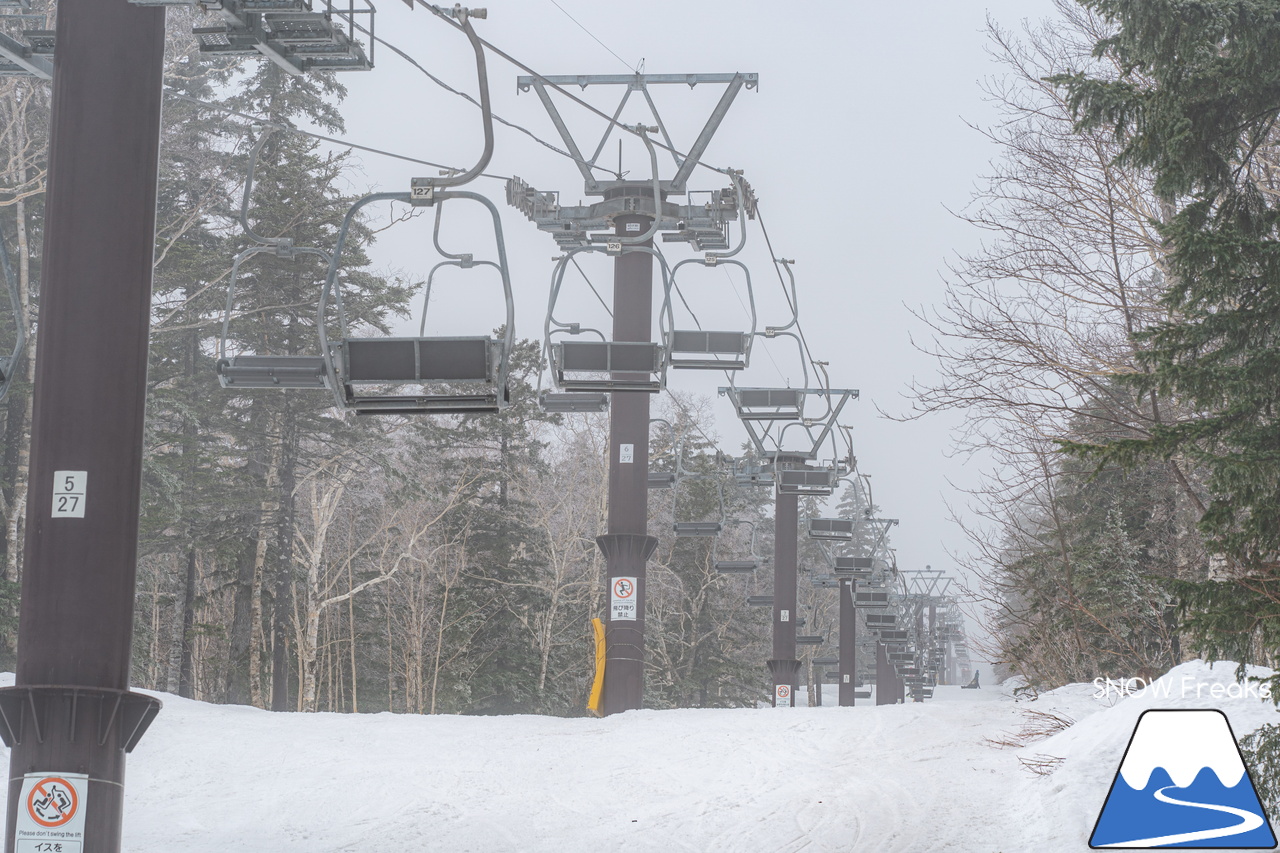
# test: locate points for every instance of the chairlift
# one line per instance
(810, 639)
(454, 374)
(857, 567)
(697, 529)
(741, 567)
(833, 529)
(748, 471)
(604, 365)
(826, 581)
(759, 600)
(663, 479)
(702, 349)
(9, 363)
(882, 620)
(599, 366)
(797, 478)
(826, 661)
(870, 599)
(572, 403)
(265, 370)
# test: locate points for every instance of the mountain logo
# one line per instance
(1182, 783)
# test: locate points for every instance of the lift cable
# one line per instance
(443, 85)
(630, 67)
(290, 129)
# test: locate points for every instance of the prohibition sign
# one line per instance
(623, 588)
(784, 692)
(52, 802)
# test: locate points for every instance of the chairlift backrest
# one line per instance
(838, 529)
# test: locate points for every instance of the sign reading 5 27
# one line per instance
(69, 493)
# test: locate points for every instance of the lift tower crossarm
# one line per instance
(638, 83)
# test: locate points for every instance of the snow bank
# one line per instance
(210, 778)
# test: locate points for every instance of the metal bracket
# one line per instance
(638, 83)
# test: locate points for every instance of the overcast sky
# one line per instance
(856, 143)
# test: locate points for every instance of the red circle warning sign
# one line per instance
(623, 588)
(784, 692)
(52, 802)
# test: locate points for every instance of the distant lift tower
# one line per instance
(798, 471)
(623, 224)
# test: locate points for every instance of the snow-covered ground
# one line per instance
(916, 777)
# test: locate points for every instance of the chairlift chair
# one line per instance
(571, 403)
(806, 480)
(857, 567)
(702, 349)
(810, 639)
(870, 599)
(598, 366)
(834, 529)
(740, 567)
(697, 529)
(759, 600)
(265, 370)
(455, 374)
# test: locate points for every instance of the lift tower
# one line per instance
(630, 366)
(70, 718)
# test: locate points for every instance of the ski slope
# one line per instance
(916, 777)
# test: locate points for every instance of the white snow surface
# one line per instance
(1202, 739)
(916, 777)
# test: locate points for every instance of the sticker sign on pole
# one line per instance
(782, 695)
(69, 493)
(622, 600)
(51, 813)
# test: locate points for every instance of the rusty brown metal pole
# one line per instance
(71, 711)
(627, 546)
(848, 644)
(783, 667)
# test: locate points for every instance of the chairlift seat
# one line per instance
(697, 529)
(759, 600)
(570, 403)
(810, 640)
(883, 620)
(826, 661)
(604, 365)
(831, 528)
(661, 479)
(858, 567)
(871, 599)
(383, 361)
(862, 694)
(736, 567)
(770, 404)
(831, 675)
(273, 371)
(818, 482)
(704, 350)
(897, 634)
